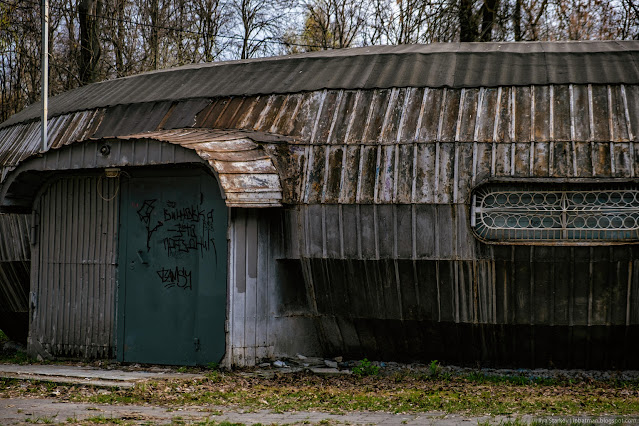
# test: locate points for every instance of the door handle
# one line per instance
(142, 259)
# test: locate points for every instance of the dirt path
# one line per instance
(20, 411)
(23, 411)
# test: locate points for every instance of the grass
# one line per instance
(474, 394)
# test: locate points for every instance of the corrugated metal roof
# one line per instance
(453, 65)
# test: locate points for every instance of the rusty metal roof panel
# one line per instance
(135, 118)
(453, 65)
(246, 173)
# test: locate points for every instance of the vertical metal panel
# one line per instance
(259, 326)
(15, 261)
(73, 279)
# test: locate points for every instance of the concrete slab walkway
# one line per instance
(87, 375)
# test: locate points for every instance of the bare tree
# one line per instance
(209, 18)
(489, 18)
(331, 24)
(90, 50)
(410, 21)
(259, 24)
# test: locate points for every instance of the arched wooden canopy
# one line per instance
(245, 172)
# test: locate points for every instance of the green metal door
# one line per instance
(172, 297)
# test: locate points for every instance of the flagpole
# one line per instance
(45, 71)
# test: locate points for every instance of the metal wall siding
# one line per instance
(481, 291)
(15, 230)
(15, 262)
(259, 326)
(14, 286)
(74, 278)
(398, 231)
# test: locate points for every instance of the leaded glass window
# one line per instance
(545, 213)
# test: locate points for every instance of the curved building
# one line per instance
(471, 203)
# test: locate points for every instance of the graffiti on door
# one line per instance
(179, 231)
(144, 213)
(176, 277)
(190, 229)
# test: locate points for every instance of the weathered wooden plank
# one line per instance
(404, 174)
(376, 115)
(504, 125)
(503, 154)
(350, 177)
(444, 172)
(584, 159)
(449, 115)
(411, 115)
(359, 116)
(427, 130)
(524, 289)
(270, 113)
(425, 174)
(327, 116)
(468, 115)
(238, 182)
(622, 160)
(256, 166)
(343, 117)
(541, 127)
(425, 230)
(307, 113)
(619, 129)
(541, 159)
(367, 174)
(561, 113)
(601, 159)
(522, 114)
(562, 159)
(581, 113)
(333, 174)
(385, 191)
(315, 180)
(463, 172)
(600, 111)
(393, 116)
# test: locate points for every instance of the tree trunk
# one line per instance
(155, 36)
(517, 20)
(468, 29)
(89, 10)
(118, 46)
(489, 15)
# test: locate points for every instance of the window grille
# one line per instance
(510, 214)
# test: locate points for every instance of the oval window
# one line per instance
(547, 213)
